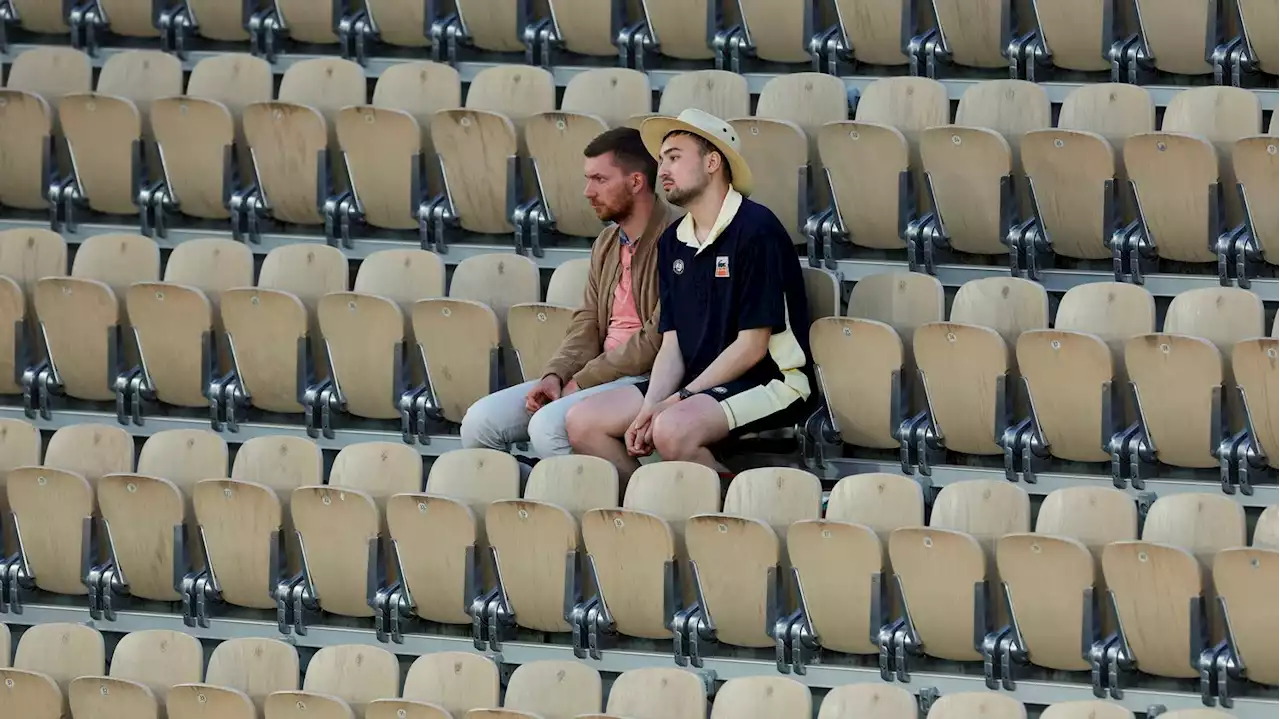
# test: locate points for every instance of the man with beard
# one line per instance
(734, 318)
(613, 338)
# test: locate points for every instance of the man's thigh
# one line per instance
(699, 420)
(556, 411)
(611, 410)
(501, 413)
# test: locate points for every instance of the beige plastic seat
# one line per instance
(241, 522)
(1254, 162)
(1245, 580)
(1172, 175)
(877, 30)
(556, 142)
(883, 142)
(1053, 577)
(977, 704)
(323, 86)
(39, 17)
(235, 81)
(309, 21)
(339, 521)
(762, 698)
(1258, 20)
(130, 18)
(976, 35)
(1221, 115)
(962, 361)
(341, 681)
(614, 94)
(516, 91)
(84, 318)
(442, 685)
(212, 265)
(808, 100)
(739, 555)
(638, 552)
(868, 701)
(536, 540)
(1077, 36)
(1174, 38)
(778, 151)
(1253, 364)
(478, 155)
(450, 518)
(683, 29)
(1180, 538)
(277, 465)
(495, 28)
(585, 27)
(858, 356)
(240, 676)
(19, 447)
(823, 288)
(1086, 710)
(658, 693)
(382, 148)
(26, 255)
(498, 280)
(50, 72)
(537, 328)
(1075, 372)
(269, 325)
(461, 370)
(944, 570)
(1193, 354)
(554, 689)
(721, 93)
(420, 89)
(26, 139)
(364, 337)
(144, 511)
(49, 656)
(144, 666)
(841, 560)
(780, 31)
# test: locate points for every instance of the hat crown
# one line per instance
(709, 124)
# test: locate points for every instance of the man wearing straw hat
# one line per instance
(734, 318)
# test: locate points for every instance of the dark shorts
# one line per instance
(751, 407)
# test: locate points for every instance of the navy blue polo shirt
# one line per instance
(747, 276)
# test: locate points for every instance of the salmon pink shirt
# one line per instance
(624, 320)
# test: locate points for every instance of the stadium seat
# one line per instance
(554, 689)
(1174, 38)
(37, 16)
(26, 256)
(614, 94)
(762, 698)
(969, 369)
(1221, 115)
(19, 447)
(723, 94)
(582, 27)
(947, 576)
(205, 154)
(868, 701)
(1253, 159)
(536, 546)
(51, 73)
(556, 142)
(983, 704)
(839, 561)
(48, 658)
(658, 693)
(778, 151)
(1052, 581)
(421, 89)
(1253, 364)
(637, 554)
(517, 91)
(873, 204)
(274, 332)
(1074, 375)
(144, 666)
(240, 676)
(379, 145)
(1256, 51)
(212, 265)
(208, 19)
(150, 527)
(365, 341)
(865, 407)
(738, 558)
(499, 280)
(442, 585)
(1191, 427)
(771, 31)
(1238, 576)
(1086, 710)
(678, 29)
(26, 139)
(537, 328)
(1071, 36)
(982, 36)
(442, 685)
(345, 539)
(1163, 631)
(823, 290)
(347, 677)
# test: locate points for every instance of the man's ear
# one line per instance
(713, 161)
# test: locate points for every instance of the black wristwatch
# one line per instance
(684, 393)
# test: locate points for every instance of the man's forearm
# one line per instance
(668, 370)
(736, 359)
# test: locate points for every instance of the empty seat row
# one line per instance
(1097, 383)
(301, 335)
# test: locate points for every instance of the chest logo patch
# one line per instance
(678, 267)
(722, 267)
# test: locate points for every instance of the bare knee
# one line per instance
(673, 436)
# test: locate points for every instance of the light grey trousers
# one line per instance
(500, 420)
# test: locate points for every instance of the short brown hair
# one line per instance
(705, 146)
(628, 150)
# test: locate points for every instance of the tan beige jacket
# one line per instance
(581, 356)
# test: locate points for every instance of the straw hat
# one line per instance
(710, 128)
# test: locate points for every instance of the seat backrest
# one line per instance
(287, 140)
(456, 681)
(234, 80)
(1113, 311)
(554, 689)
(880, 501)
(861, 401)
(173, 325)
(868, 701)
(779, 152)
(721, 93)
(1008, 305)
(1238, 574)
(404, 276)
(1114, 110)
(777, 496)
(219, 21)
(51, 72)
(356, 674)
(983, 704)
(614, 94)
(1079, 33)
(19, 447)
(420, 89)
(569, 283)
(211, 265)
(112, 450)
(1085, 710)
(967, 169)
(1010, 107)
(479, 189)
(382, 148)
(557, 142)
(1152, 587)
(269, 329)
(324, 84)
(1174, 36)
(1258, 20)
(685, 28)
(1172, 176)
(809, 100)
(1096, 516)
(1203, 524)
(399, 23)
(658, 693)
(307, 271)
(976, 35)
(465, 357)
(141, 76)
(1176, 378)
(1266, 533)
(534, 541)
(142, 512)
(103, 133)
(158, 659)
(762, 698)
(238, 520)
(516, 91)
(1220, 115)
(379, 469)
(878, 30)
(54, 508)
(475, 476)
(61, 651)
(575, 482)
(184, 456)
(30, 253)
(41, 17)
(118, 260)
(1222, 315)
(1253, 364)
(780, 31)
(364, 335)
(28, 124)
(499, 280)
(308, 22)
(902, 300)
(984, 509)
(910, 104)
(1255, 162)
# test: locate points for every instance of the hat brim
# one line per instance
(655, 129)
